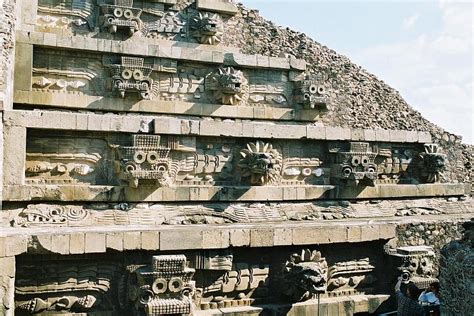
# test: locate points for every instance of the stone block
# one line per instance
(354, 233)
(23, 66)
(44, 242)
(114, 241)
(261, 237)
(215, 239)
(338, 133)
(279, 63)
(387, 231)
(382, 135)
(398, 136)
(60, 244)
(424, 137)
(357, 134)
(216, 128)
(16, 245)
(239, 237)
(150, 240)
(221, 6)
(77, 243)
(412, 136)
(95, 242)
(369, 135)
(298, 64)
(14, 146)
(263, 61)
(316, 131)
(370, 232)
(8, 267)
(181, 239)
(283, 237)
(132, 240)
(310, 235)
(49, 39)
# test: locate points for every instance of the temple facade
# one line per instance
(160, 158)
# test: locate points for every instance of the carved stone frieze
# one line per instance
(433, 163)
(228, 85)
(165, 287)
(131, 76)
(261, 163)
(157, 214)
(356, 165)
(60, 288)
(305, 275)
(311, 93)
(146, 159)
(416, 264)
(206, 28)
(120, 16)
(183, 82)
(152, 19)
(160, 161)
(350, 277)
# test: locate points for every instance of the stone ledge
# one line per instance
(190, 126)
(100, 193)
(221, 6)
(98, 103)
(160, 49)
(335, 306)
(99, 239)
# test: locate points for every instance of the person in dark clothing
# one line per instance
(408, 304)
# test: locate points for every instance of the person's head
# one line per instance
(413, 291)
(434, 287)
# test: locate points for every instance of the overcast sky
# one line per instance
(423, 48)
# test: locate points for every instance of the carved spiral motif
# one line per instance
(76, 213)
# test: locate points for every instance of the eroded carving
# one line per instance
(261, 163)
(146, 159)
(206, 28)
(434, 162)
(63, 288)
(120, 16)
(228, 85)
(305, 275)
(311, 93)
(131, 75)
(165, 287)
(356, 165)
(416, 264)
(350, 276)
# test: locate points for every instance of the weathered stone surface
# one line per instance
(239, 150)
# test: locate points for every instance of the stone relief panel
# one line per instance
(139, 282)
(122, 19)
(160, 161)
(415, 264)
(162, 79)
(367, 164)
(164, 288)
(62, 160)
(55, 287)
(105, 214)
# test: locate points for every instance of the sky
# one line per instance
(423, 48)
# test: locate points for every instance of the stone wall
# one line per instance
(163, 157)
(457, 275)
(7, 44)
(361, 99)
